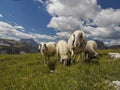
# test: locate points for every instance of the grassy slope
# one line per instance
(27, 72)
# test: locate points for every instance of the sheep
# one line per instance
(62, 51)
(90, 50)
(47, 50)
(77, 43)
(114, 56)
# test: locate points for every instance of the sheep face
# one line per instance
(44, 48)
(65, 60)
(39, 47)
(77, 38)
(93, 55)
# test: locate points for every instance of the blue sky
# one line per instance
(51, 20)
(27, 13)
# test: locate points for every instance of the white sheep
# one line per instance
(114, 56)
(62, 51)
(47, 50)
(90, 50)
(77, 43)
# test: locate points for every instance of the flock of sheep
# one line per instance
(77, 43)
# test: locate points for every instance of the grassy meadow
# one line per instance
(28, 72)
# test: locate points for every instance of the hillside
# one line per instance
(101, 45)
(15, 47)
(27, 72)
(29, 41)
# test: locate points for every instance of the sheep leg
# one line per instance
(46, 61)
(85, 56)
(80, 56)
(89, 58)
(58, 55)
(72, 56)
(59, 58)
(65, 63)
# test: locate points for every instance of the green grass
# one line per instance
(27, 72)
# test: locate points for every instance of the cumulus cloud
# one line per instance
(11, 32)
(74, 8)
(21, 28)
(65, 23)
(1, 15)
(63, 35)
(98, 23)
(103, 32)
(108, 17)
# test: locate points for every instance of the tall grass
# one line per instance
(27, 72)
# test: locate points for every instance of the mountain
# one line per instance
(15, 47)
(10, 46)
(11, 43)
(100, 44)
(30, 45)
(114, 47)
(29, 41)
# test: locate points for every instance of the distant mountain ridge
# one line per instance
(29, 41)
(101, 45)
(14, 46)
(29, 45)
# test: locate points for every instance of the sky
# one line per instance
(52, 20)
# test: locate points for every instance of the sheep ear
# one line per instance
(45, 46)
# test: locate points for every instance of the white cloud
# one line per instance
(41, 1)
(11, 32)
(1, 15)
(98, 23)
(65, 23)
(63, 35)
(21, 28)
(103, 32)
(74, 8)
(18, 27)
(108, 17)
